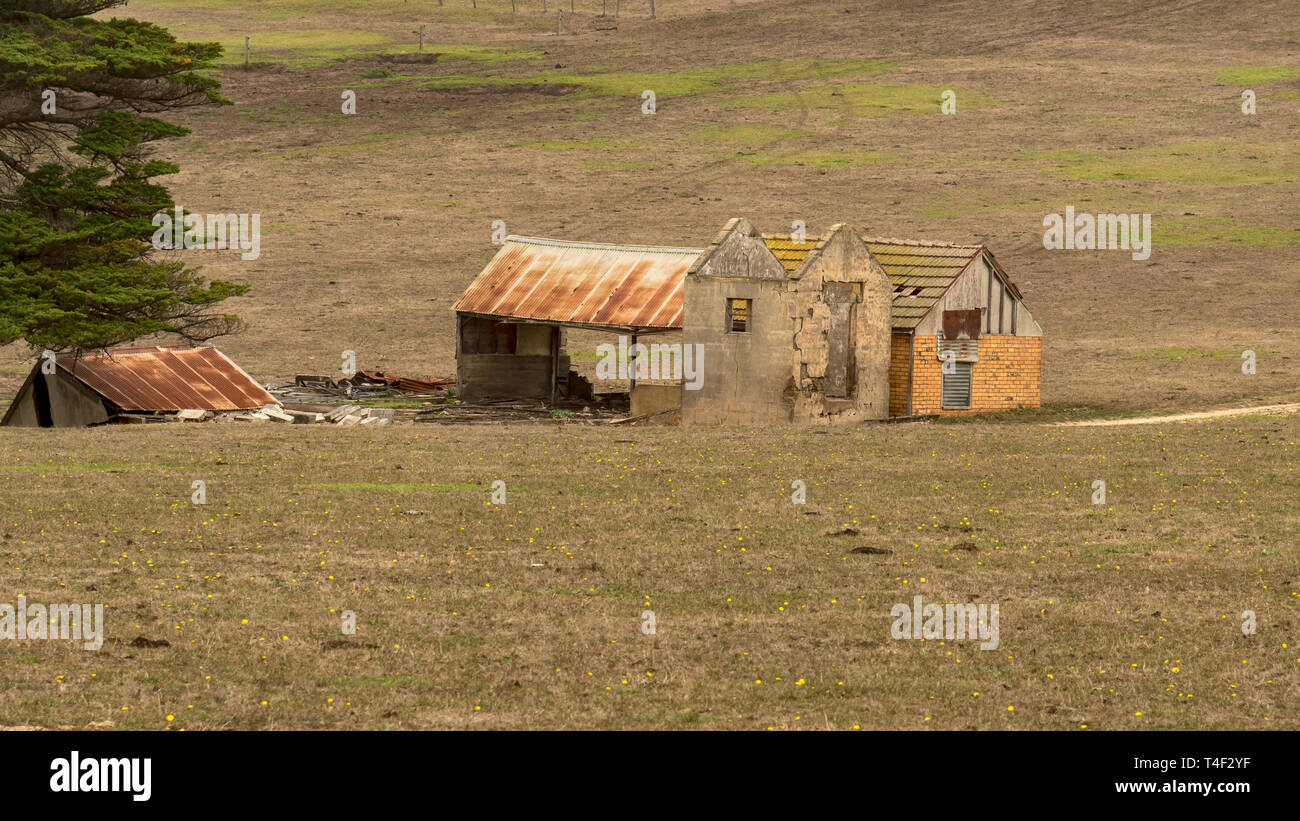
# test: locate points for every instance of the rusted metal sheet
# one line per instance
(167, 379)
(582, 284)
(961, 324)
(405, 384)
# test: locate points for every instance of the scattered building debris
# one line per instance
(344, 416)
(406, 384)
(495, 413)
(322, 393)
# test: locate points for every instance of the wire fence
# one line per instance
(606, 8)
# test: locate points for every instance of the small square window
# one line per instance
(738, 316)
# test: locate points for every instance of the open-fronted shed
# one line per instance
(510, 321)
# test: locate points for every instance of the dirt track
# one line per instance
(1183, 417)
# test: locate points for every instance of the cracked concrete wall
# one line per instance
(745, 374)
(818, 348)
(842, 296)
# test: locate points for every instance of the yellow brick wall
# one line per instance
(1007, 375)
(899, 374)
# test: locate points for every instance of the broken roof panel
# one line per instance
(582, 284)
(920, 272)
(167, 379)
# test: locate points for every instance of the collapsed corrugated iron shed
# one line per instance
(168, 379)
(93, 388)
(579, 284)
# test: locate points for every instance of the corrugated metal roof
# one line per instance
(579, 283)
(167, 379)
(626, 286)
(919, 272)
(790, 253)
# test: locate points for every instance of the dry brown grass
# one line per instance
(374, 224)
(1106, 612)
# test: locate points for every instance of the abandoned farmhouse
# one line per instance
(754, 329)
(812, 330)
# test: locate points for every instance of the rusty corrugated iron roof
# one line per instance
(641, 287)
(582, 284)
(167, 379)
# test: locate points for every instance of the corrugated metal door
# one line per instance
(956, 388)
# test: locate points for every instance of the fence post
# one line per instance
(245, 54)
(652, 9)
(559, 19)
(421, 38)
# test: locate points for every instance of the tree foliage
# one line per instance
(77, 190)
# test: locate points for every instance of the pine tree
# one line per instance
(77, 196)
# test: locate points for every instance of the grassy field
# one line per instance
(818, 111)
(529, 614)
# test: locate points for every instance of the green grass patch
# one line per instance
(1201, 163)
(747, 134)
(678, 83)
(1208, 231)
(309, 47)
(308, 42)
(698, 81)
(865, 99)
(1256, 75)
(831, 158)
(73, 467)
